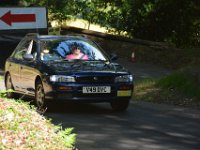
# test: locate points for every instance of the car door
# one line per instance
(28, 69)
(14, 62)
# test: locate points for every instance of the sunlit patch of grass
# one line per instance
(22, 127)
(1, 78)
(144, 89)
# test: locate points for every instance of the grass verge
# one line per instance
(179, 88)
(21, 127)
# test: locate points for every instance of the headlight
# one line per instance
(125, 78)
(60, 78)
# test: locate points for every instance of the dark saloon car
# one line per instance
(39, 67)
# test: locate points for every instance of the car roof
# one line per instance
(40, 37)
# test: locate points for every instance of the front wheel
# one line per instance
(9, 86)
(40, 97)
(120, 105)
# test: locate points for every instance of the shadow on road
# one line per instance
(80, 108)
(97, 127)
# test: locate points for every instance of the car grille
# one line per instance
(95, 79)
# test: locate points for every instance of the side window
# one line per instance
(25, 47)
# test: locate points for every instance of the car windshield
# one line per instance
(70, 49)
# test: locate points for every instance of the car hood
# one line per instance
(85, 66)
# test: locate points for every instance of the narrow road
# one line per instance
(144, 126)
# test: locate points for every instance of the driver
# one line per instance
(76, 54)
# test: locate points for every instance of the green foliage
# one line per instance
(3, 93)
(179, 88)
(19, 117)
(174, 21)
(23, 128)
(68, 137)
(186, 81)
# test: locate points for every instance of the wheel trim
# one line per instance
(40, 96)
(9, 86)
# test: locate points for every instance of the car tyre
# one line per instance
(9, 86)
(120, 105)
(40, 97)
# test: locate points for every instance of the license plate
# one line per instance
(96, 89)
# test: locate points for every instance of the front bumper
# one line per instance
(73, 92)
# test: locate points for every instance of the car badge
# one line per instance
(95, 78)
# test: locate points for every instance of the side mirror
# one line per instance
(28, 57)
(113, 56)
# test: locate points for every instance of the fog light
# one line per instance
(124, 93)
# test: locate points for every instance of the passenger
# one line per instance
(76, 54)
(45, 54)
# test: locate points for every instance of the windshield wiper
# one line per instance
(106, 62)
(76, 61)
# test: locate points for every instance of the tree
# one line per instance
(173, 21)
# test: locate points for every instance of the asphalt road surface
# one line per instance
(144, 126)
